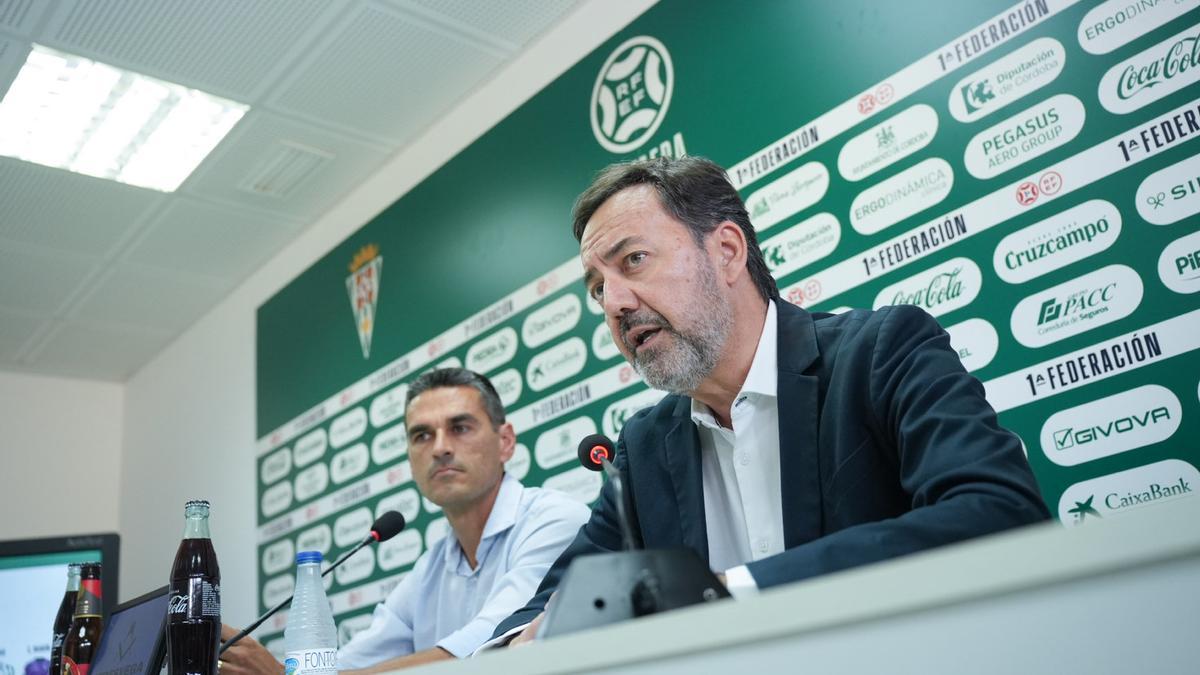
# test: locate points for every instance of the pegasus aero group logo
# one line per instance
(363, 286)
(632, 94)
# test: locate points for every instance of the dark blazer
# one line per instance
(887, 447)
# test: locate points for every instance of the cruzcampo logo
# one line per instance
(363, 286)
(632, 94)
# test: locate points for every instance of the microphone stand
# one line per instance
(370, 539)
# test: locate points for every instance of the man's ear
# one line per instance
(731, 249)
(508, 441)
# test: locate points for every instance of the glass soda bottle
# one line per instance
(310, 638)
(194, 612)
(62, 622)
(83, 635)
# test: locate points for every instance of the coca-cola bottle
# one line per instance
(194, 613)
(62, 622)
(83, 635)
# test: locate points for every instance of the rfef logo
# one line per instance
(632, 94)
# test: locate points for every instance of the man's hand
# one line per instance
(246, 657)
(530, 633)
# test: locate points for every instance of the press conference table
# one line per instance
(1113, 596)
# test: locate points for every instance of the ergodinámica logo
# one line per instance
(632, 94)
(1111, 425)
(1128, 490)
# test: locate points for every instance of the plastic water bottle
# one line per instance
(310, 638)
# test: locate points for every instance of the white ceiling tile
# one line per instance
(219, 241)
(386, 75)
(260, 137)
(59, 209)
(39, 282)
(149, 298)
(16, 328)
(227, 47)
(99, 352)
(514, 21)
(20, 16)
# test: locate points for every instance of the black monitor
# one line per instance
(33, 576)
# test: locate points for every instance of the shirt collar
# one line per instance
(763, 376)
(502, 517)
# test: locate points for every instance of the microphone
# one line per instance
(596, 453)
(385, 527)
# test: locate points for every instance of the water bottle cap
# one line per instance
(308, 557)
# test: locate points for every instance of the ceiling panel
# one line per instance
(20, 16)
(145, 297)
(100, 352)
(202, 238)
(386, 75)
(514, 21)
(16, 327)
(69, 211)
(12, 57)
(39, 281)
(226, 47)
(260, 137)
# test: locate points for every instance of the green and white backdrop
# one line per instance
(1024, 172)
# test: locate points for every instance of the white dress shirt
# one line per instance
(743, 499)
(444, 603)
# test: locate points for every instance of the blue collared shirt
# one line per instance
(444, 603)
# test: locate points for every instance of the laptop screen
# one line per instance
(131, 644)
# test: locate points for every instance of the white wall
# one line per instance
(189, 414)
(59, 439)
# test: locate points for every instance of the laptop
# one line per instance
(134, 640)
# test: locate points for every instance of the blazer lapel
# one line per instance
(683, 465)
(799, 469)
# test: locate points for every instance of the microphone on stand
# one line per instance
(385, 527)
(596, 453)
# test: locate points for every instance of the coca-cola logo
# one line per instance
(179, 603)
(1181, 56)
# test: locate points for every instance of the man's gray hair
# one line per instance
(459, 377)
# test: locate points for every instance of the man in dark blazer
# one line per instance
(793, 444)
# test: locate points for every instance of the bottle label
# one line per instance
(88, 601)
(69, 667)
(194, 598)
(58, 640)
(310, 662)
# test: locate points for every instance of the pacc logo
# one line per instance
(1111, 425)
(1076, 306)
(632, 94)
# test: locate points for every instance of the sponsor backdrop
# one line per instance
(1027, 173)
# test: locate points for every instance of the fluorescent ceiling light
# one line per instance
(73, 113)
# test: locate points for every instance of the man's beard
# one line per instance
(680, 365)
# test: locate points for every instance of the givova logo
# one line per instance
(632, 94)
(1076, 306)
(1111, 425)
(1124, 491)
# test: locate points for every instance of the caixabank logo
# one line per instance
(1126, 491)
(632, 94)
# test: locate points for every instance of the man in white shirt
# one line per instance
(502, 539)
(794, 443)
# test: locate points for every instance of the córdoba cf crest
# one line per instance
(363, 286)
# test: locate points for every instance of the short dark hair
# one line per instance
(458, 377)
(695, 191)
